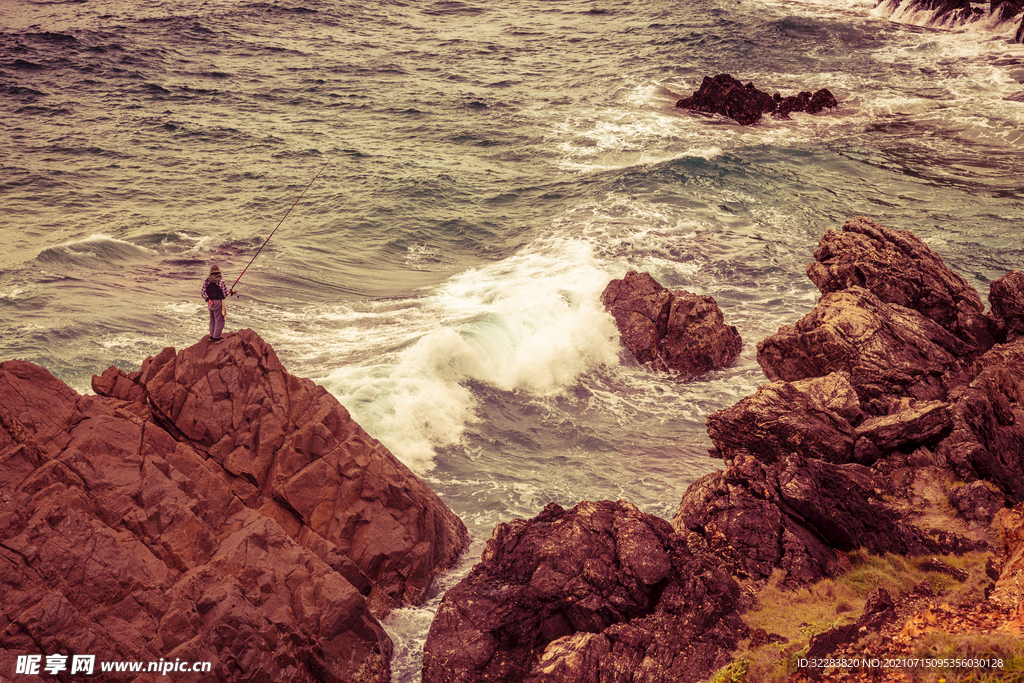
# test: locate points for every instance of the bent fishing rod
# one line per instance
(232, 289)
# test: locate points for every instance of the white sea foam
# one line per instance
(13, 293)
(532, 324)
(96, 245)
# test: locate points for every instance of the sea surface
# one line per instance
(486, 168)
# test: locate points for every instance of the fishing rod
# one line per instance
(282, 221)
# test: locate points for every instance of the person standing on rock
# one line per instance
(214, 292)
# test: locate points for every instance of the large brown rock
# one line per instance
(188, 514)
(814, 417)
(670, 330)
(899, 268)
(798, 515)
(602, 592)
(1007, 298)
(987, 437)
(888, 351)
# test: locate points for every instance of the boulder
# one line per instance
(670, 330)
(910, 425)
(798, 515)
(599, 592)
(812, 417)
(899, 268)
(1006, 295)
(987, 437)
(187, 514)
(727, 96)
(888, 351)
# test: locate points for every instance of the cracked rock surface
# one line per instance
(209, 507)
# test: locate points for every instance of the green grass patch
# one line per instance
(801, 613)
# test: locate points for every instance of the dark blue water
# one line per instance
(489, 168)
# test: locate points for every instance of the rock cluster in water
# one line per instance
(896, 402)
(727, 96)
(671, 331)
(210, 507)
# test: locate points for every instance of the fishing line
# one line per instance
(282, 220)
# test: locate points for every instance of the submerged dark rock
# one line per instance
(727, 96)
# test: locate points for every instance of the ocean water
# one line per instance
(487, 169)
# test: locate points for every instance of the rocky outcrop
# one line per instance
(1007, 298)
(727, 96)
(955, 13)
(899, 268)
(601, 592)
(987, 416)
(888, 351)
(892, 316)
(210, 507)
(1009, 587)
(670, 330)
(799, 515)
(890, 401)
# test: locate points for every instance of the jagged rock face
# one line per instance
(899, 268)
(598, 593)
(888, 351)
(1009, 588)
(987, 438)
(797, 515)
(727, 96)
(670, 330)
(888, 371)
(188, 514)
(815, 417)
(1007, 298)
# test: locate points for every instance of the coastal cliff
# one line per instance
(893, 425)
(210, 507)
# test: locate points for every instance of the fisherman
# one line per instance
(214, 292)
